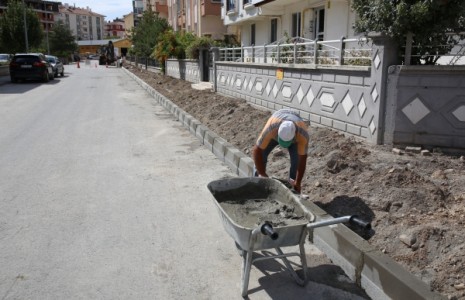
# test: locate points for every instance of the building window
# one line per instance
(252, 34)
(319, 24)
(274, 30)
(230, 5)
(296, 19)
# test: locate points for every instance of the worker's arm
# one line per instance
(258, 160)
(302, 164)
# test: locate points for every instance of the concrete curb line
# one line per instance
(380, 276)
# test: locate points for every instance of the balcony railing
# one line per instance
(348, 52)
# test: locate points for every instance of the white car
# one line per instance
(5, 58)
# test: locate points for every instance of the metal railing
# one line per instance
(145, 61)
(437, 54)
(353, 52)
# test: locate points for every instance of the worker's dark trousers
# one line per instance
(292, 154)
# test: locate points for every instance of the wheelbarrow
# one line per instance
(262, 213)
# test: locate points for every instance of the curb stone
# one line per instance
(380, 276)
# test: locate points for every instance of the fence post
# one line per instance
(341, 52)
(242, 53)
(295, 51)
(278, 54)
(315, 52)
(216, 57)
(408, 48)
(253, 53)
(264, 54)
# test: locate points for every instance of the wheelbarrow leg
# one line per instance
(303, 260)
(246, 266)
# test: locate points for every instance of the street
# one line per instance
(103, 196)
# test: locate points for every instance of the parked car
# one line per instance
(5, 59)
(30, 66)
(93, 56)
(57, 65)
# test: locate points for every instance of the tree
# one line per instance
(434, 24)
(12, 34)
(147, 33)
(61, 41)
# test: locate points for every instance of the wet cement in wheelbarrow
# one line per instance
(252, 212)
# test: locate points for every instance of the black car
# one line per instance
(30, 66)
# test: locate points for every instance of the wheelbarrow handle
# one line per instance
(267, 229)
(355, 220)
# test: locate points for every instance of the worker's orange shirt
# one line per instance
(270, 131)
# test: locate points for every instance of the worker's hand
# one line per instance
(295, 185)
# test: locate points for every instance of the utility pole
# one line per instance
(48, 45)
(25, 27)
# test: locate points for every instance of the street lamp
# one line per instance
(25, 27)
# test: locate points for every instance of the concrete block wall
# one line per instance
(184, 69)
(345, 100)
(380, 276)
(427, 106)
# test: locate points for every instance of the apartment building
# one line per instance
(201, 17)
(267, 21)
(137, 10)
(157, 6)
(46, 11)
(83, 22)
(115, 29)
(160, 7)
(128, 22)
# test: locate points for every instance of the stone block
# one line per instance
(209, 139)
(232, 158)
(219, 147)
(344, 247)
(353, 129)
(383, 275)
(200, 131)
(193, 126)
(246, 166)
(413, 149)
(339, 125)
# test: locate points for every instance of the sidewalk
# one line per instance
(380, 276)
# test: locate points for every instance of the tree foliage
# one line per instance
(193, 50)
(147, 33)
(431, 22)
(61, 41)
(12, 34)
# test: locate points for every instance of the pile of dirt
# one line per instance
(415, 202)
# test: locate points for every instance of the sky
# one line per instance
(112, 9)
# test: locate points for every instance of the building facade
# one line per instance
(46, 11)
(201, 17)
(160, 7)
(128, 23)
(115, 29)
(263, 21)
(83, 22)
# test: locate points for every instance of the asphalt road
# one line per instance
(103, 196)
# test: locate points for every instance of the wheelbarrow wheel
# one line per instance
(239, 249)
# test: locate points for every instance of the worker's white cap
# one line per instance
(286, 133)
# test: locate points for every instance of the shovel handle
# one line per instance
(267, 229)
